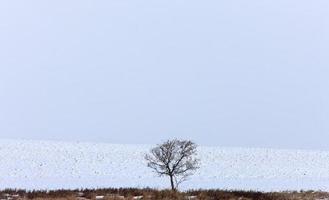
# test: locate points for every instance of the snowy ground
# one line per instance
(54, 165)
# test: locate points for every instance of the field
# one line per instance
(45, 165)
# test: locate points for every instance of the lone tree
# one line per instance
(174, 158)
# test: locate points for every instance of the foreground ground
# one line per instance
(150, 194)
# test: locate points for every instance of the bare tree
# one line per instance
(174, 158)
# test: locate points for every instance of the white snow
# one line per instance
(54, 165)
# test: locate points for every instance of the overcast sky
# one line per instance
(232, 73)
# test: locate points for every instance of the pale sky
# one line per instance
(229, 73)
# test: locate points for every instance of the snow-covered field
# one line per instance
(53, 165)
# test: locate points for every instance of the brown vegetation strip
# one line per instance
(152, 194)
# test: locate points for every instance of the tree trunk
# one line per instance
(172, 182)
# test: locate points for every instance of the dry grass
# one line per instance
(152, 194)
